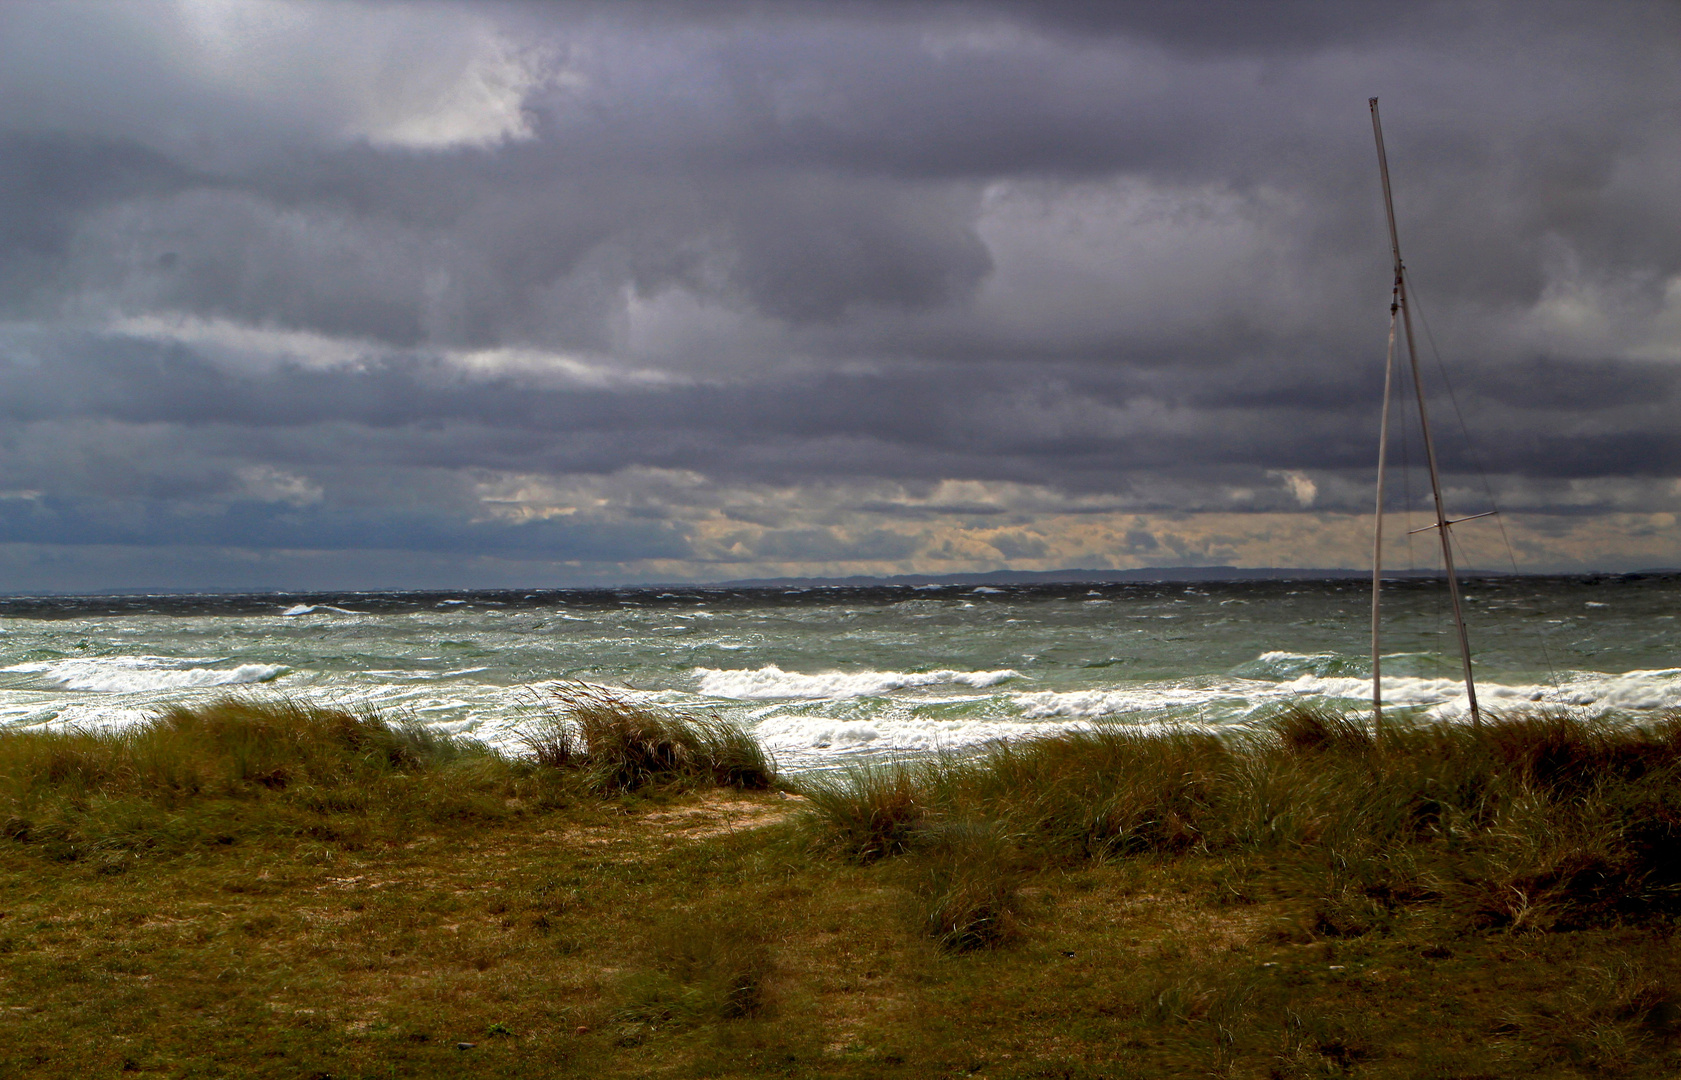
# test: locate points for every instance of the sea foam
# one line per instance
(131, 674)
(771, 683)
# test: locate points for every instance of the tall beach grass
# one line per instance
(620, 745)
(1540, 819)
(1535, 820)
(217, 772)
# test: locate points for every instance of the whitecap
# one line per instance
(1288, 665)
(815, 741)
(1598, 693)
(1094, 704)
(131, 674)
(771, 682)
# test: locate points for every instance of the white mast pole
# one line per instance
(1424, 422)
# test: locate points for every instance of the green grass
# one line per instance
(235, 769)
(1542, 819)
(701, 967)
(964, 886)
(239, 768)
(273, 891)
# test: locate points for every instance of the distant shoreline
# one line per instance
(1142, 575)
(1145, 574)
(1016, 584)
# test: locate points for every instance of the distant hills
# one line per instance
(1036, 577)
(1150, 573)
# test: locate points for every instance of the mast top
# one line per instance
(1388, 198)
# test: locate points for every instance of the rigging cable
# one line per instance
(1420, 645)
(1482, 474)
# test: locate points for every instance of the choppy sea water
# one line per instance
(829, 675)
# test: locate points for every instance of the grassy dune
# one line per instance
(1541, 821)
(274, 890)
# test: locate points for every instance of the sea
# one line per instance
(826, 677)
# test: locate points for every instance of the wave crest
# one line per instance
(772, 683)
(132, 674)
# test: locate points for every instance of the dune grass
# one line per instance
(1542, 819)
(215, 773)
(620, 745)
(275, 890)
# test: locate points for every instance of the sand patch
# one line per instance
(719, 812)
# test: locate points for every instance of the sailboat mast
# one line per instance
(1400, 292)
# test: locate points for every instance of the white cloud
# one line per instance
(240, 346)
(432, 79)
(480, 104)
(206, 76)
(1302, 488)
(266, 483)
(547, 367)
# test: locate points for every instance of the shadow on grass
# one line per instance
(701, 968)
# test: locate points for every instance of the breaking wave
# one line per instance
(771, 683)
(132, 674)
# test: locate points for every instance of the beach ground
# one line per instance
(685, 930)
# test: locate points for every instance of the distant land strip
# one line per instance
(1145, 573)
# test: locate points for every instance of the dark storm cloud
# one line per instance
(903, 423)
(50, 179)
(361, 262)
(238, 524)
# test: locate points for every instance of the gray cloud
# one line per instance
(340, 277)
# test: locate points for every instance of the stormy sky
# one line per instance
(351, 295)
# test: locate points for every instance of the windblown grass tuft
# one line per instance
(1312, 728)
(869, 811)
(622, 745)
(964, 886)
